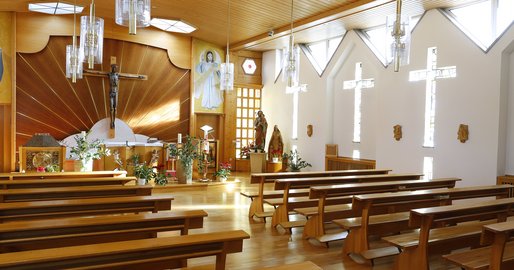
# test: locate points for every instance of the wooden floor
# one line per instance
(266, 247)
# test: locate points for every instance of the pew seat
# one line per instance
(148, 254)
(307, 265)
(13, 211)
(41, 234)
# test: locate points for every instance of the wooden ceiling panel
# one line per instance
(48, 102)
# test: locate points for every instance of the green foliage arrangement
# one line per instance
(186, 153)
(161, 179)
(295, 162)
(143, 171)
(86, 150)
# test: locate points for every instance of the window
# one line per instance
(319, 53)
(248, 104)
(484, 21)
(428, 167)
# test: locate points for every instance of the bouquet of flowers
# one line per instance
(224, 170)
(245, 150)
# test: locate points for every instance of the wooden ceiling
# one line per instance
(251, 20)
(47, 102)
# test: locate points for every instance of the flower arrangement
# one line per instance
(295, 162)
(224, 170)
(186, 153)
(245, 150)
(276, 153)
(161, 179)
(143, 171)
(86, 150)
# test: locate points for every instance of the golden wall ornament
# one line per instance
(397, 132)
(309, 130)
(463, 133)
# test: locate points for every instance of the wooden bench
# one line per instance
(438, 232)
(285, 204)
(40, 234)
(157, 253)
(75, 192)
(63, 182)
(83, 207)
(384, 213)
(307, 265)
(257, 204)
(318, 216)
(60, 175)
(499, 255)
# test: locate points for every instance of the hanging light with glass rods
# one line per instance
(133, 13)
(227, 68)
(91, 37)
(73, 60)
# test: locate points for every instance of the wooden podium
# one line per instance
(257, 162)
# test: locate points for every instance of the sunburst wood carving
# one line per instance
(48, 102)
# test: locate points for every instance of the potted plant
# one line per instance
(87, 151)
(185, 154)
(144, 173)
(275, 155)
(161, 179)
(295, 162)
(224, 171)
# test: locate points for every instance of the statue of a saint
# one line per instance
(261, 126)
(276, 145)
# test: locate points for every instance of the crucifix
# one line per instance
(430, 75)
(114, 78)
(358, 84)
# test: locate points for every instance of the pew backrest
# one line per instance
(56, 175)
(64, 182)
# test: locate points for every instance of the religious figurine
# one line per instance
(155, 158)
(117, 159)
(463, 133)
(397, 131)
(261, 127)
(113, 93)
(309, 130)
(276, 145)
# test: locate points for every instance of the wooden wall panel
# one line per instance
(48, 102)
(5, 141)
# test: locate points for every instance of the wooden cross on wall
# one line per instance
(114, 77)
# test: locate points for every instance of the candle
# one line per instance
(179, 138)
(205, 132)
(83, 134)
(206, 146)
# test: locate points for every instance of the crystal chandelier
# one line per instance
(291, 63)
(227, 68)
(399, 40)
(91, 37)
(133, 13)
(73, 61)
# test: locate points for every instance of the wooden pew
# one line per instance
(40, 234)
(157, 253)
(286, 204)
(65, 182)
(60, 175)
(318, 216)
(499, 255)
(83, 207)
(257, 204)
(75, 192)
(438, 232)
(385, 214)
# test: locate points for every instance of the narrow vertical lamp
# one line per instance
(133, 13)
(91, 37)
(227, 68)
(73, 60)
(291, 67)
(399, 40)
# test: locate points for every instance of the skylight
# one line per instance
(484, 21)
(319, 53)
(55, 8)
(172, 25)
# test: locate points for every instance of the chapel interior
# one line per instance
(411, 86)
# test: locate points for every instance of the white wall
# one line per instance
(473, 98)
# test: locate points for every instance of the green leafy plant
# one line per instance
(160, 179)
(52, 168)
(186, 152)
(143, 171)
(295, 162)
(86, 150)
(224, 170)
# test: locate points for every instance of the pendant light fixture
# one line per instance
(291, 66)
(227, 68)
(73, 61)
(399, 38)
(91, 37)
(133, 13)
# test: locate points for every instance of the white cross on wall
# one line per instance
(358, 84)
(430, 75)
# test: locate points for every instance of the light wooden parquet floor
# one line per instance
(227, 209)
